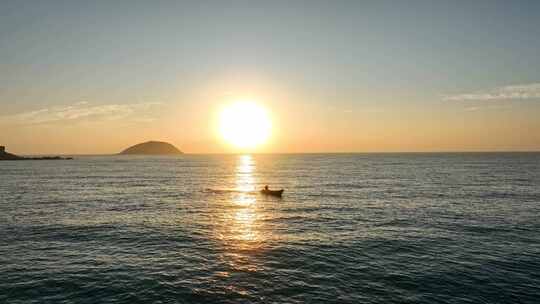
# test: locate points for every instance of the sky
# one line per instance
(93, 77)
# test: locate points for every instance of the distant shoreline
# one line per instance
(5, 156)
(23, 158)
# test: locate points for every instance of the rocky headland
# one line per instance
(8, 156)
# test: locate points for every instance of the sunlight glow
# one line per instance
(245, 124)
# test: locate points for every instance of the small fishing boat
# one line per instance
(272, 192)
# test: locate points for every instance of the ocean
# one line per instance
(350, 228)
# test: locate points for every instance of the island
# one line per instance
(8, 156)
(152, 148)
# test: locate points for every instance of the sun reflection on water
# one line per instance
(244, 173)
(241, 231)
(243, 220)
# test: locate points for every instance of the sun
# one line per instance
(244, 124)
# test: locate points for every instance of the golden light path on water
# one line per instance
(241, 231)
(246, 214)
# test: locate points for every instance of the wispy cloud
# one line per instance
(512, 92)
(83, 111)
(488, 107)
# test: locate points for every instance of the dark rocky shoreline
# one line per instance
(8, 156)
(37, 158)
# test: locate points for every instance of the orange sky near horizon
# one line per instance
(299, 125)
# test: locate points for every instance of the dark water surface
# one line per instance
(364, 228)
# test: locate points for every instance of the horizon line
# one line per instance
(292, 153)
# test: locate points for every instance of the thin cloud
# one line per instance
(512, 92)
(488, 107)
(82, 111)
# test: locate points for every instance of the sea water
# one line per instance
(350, 228)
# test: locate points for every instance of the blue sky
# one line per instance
(354, 55)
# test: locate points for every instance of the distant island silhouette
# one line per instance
(8, 156)
(152, 148)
